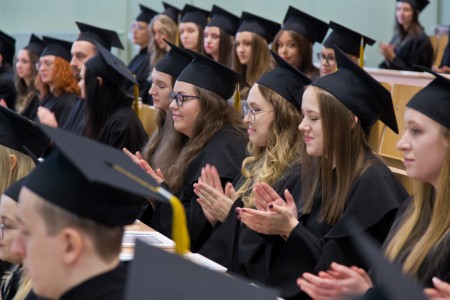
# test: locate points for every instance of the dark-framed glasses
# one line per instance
(330, 59)
(180, 99)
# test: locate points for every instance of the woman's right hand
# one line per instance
(47, 117)
(137, 159)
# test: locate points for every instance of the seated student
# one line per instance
(275, 156)
(110, 118)
(7, 90)
(345, 39)
(419, 239)
(444, 67)
(192, 22)
(214, 133)
(294, 42)
(342, 179)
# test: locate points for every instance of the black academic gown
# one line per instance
(123, 129)
(76, 120)
(416, 50)
(242, 250)
(226, 151)
(60, 105)
(446, 57)
(106, 286)
(140, 66)
(30, 111)
(313, 245)
(7, 88)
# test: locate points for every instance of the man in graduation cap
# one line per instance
(7, 89)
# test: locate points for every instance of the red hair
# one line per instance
(65, 82)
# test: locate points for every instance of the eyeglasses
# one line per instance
(180, 99)
(4, 227)
(45, 63)
(137, 26)
(331, 60)
(251, 113)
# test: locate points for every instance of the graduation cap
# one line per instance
(417, 4)
(359, 92)
(434, 99)
(174, 62)
(265, 28)
(146, 14)
(211, 75)
(35, 45)
(107, 38)
(57, 47)
(286, 81)
(171, 11)
(98, 182)
(224, 20)
(109, 67)
(166, 277)
(21, 134)
(307, 25)
(194, 14)
(7, 47)
(347, 40)
(13, 190)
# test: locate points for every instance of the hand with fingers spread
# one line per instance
(279, 219)
(137, 159)
(441, 290)
(210, 176)
(264, 195)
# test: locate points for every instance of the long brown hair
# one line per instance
(199, 48)
(26, 92)
(65, 81)
(170, 29)
(413, 30)
(345, 144)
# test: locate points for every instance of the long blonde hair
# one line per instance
(268, 164)
(425, 227)
(170, 29)
(24, 288)
(10, 174)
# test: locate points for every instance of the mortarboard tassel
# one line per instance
(136, 98)
(237, 99)
(361, 53)
(177, 33)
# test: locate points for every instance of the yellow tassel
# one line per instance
(136, 99)
(237, 99)
(361, 53)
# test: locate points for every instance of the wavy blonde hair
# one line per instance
(10, 174)
(170, 29)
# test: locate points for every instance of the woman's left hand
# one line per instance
(441, 290)
(137, 159)
(213, 201)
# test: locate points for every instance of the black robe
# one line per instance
(446, 57)
(313, 245)
(106, 286)
(140, 66)
(7, 87)
(30, 111)
(76, 121)
(123, 129)
(242, 250)
(225, 150)
(60, 105)
(415, 50)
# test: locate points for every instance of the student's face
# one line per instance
(424, 147)
(81, 52)
(288, 48)
(8, 209)
(327, 61)
(82, 82)
(160, 90)
(211, 40)
(141, 33)
(189, 35)
(41, 253)
(185, 117)
(404, 13)
(46, 69)
(244, 47)
(311, 126)
(23, 65)
(258, 120)
(159, 34)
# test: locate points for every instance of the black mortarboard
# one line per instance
(35, 45)
(109, 67)
(194, 14)
(166, 276)
(21, 134)
(174, 62)
(359, 92)
(98, 182)
(224, 20)
(57, 47)
(417, 4)
(211, 75)
(146, 14)
(13, 190)
(307, 25)
(7, 47)
(265, 28)
(285, 80)
(171, 11)
(434, 99)
(107, 38)
(346, 39)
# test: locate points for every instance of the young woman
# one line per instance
(163, 28)
(410, 45)
(419, 240)
(251, 58)
(294, 42)
(275, 156)
(192, 22)
(218, 37)
(342, 179)
(110, 119)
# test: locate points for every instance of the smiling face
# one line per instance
(311, 126)
(160, 90)
(244, 47)
(189, 33)
(424, 147)
(185, 116)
